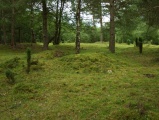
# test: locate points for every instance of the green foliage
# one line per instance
(85, 38)
(69, 37)
(128, 42)
(155, 41)
(89, 34)
(149, 16)
(94, 36)
(10, 76)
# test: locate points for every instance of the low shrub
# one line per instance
(10, 76)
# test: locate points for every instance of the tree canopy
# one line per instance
(55, 21)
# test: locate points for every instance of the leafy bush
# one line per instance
(95, 37)
(69, 37)
(155, 41)
(10, 76)
(85, 38)
(128, 42)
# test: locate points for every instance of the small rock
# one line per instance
(109, 71)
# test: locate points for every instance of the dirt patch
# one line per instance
(58, 53)
(148, 75)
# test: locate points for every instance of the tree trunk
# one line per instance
(56, 23)
(13, 25)
(57, 37)
(32, 22)
(1, 26)
(112, 27)
(4, 39)
(60, 20)
(78, 26)
(45, 35)
(0, 35)
(101, 23)
(19, 35)
(93, 38)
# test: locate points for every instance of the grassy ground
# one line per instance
(94, 85)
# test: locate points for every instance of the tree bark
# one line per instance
(78, 26)
(19, 35)
(59, 12)
(112, 27)
(4, 39)
(101, 23)
(0, 34)
(45, 34)
(56, 23)
(60, 20)
(13, 25)
(32, 22)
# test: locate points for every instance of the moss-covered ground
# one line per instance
(92, 85)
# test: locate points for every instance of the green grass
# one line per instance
(67, 86)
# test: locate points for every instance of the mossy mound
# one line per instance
(82, 63)
(24, 91)
(11, 64)
(24, 88)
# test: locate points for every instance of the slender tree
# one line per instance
(60, 20)
(32, 21)
(45, 32)
(78, 26)
(4, 39)
(13, 25)
(59, 12)
(101, 22)
(112, 27)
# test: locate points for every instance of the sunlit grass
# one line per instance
(64, 85)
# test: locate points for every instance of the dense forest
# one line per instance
(79, 60)
(55, 21)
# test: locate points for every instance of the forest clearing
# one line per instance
(94, 85)
(79, 60)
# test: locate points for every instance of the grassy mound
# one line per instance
(91, 63)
